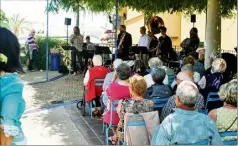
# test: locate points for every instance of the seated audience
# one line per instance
(168, 107)
(186, 125)
(201, 55)
(231, 69)
(196, 75)
(213, 56)
(226, 116)
(153, 63)
(138, 68)
(137, 103)
(159, 89)
(198, 66)
(96, 72)
(108, 80)
(212, 82)
(123, 74)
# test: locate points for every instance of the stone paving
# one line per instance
(66, 88)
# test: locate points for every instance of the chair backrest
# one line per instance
(113, 107)
(171, 78)
(98, 82)
(212, 97)
(228, 134)
(202, 142)
(159, 102)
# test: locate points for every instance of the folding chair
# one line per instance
(229, 133)
(212, 97)
(171, 78)
(159, 102)
(113, 107)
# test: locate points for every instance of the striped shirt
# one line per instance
(31, 42)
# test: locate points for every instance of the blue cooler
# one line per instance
(55, 61)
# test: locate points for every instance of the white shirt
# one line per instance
(86, 78)
(144, 41)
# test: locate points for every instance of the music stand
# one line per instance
(102, 50)
(68, 48)
(139, 50)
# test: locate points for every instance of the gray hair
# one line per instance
(187, 92)
(155, 62)
(158, 75)
(228, 92)
(218, 66)
(123, 71)
(97, 60)
(188, 67)
(117, 62)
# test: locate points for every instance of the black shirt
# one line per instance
(165, 45)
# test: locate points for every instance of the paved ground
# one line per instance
(61, 125)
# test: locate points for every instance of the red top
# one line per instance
(97, 72)
(115, 91)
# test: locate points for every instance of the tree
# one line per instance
(18, 24)
(4, 21)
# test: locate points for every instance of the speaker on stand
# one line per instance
(193, 19)
(67, 22)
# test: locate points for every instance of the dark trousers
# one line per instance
(34, 61)
(77, 53)
(97, 102)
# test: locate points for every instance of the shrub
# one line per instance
(52, 43)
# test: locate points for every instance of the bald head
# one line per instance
(184, 76)
(33, 32)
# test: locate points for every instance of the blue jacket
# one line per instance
(12, 106)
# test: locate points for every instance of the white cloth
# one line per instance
(196, 77)
(144, 41)
(77, 41)
(86, 78)
(149, 81)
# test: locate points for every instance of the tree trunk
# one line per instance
(213, 30)
(77, 18)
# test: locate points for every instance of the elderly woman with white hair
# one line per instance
(186, 125)
(226, 116)
(96, 72)
(212, 82)
(153, 63)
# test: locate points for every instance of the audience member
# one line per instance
(12, 101)
(97, 72)
(226, 116)
(153, 63)
(196, 75)
(137, 103)
(109, 79)
(213, 56)
(212, 82)
(138, 68)
(198, 66)
(168, 108)
(123, 73)
(159, 89)
(231, 62)
(186, 125)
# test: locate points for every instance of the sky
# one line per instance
(34, 11)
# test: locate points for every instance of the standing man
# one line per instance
(144, 42)
(191, 44)
(76, 40)
(124, 43)
(165, 43)
(32, 51)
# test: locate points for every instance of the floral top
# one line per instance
(12, 107)
(132, 106)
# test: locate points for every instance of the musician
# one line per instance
(144, 41)
(76, 40)
(191, 44)
(124, 43)
(153, 44)
(165, 43)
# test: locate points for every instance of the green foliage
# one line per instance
(4, 20)
(52, 42)
(147, 6)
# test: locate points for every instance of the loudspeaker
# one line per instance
(193, 18)
(67, 21)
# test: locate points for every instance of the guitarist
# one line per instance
(124, 43)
